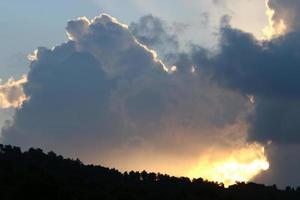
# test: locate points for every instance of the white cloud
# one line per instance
(12, 94)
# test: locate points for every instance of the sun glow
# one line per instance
(273, 29)
(236, 166)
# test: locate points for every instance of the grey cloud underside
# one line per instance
(103, 91)
(270, 71)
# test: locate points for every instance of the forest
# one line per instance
(34, 174)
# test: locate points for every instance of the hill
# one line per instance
(34, 174)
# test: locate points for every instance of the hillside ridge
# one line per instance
(33, 174)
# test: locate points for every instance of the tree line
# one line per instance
(34, 174)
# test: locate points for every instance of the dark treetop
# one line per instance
(36, 175)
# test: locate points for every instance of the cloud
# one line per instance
(286, 11)
(274, 28)
(107, 98)
(284, 166)
(107, 93)
(156, 34)
(12, 94)
(267, 70)
(103, 36)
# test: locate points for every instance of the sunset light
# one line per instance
(273, 29)
(237, 166)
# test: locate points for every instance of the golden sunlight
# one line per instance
(273, 29)
(12, 93)
(236, 166)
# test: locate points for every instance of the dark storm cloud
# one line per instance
(103, 90)
(70, 86)
(270, 71)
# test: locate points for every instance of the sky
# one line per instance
(185, 87)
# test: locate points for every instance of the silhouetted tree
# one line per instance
(37, 175)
